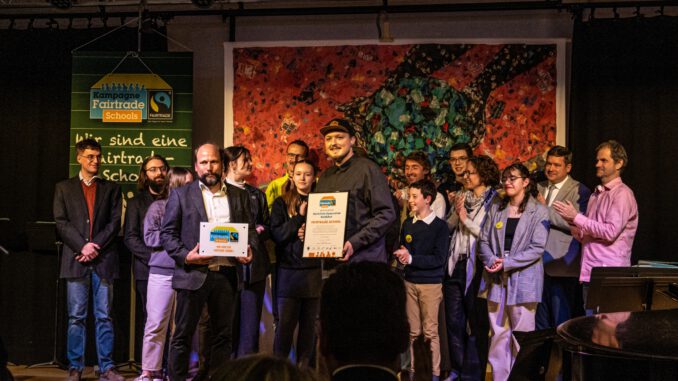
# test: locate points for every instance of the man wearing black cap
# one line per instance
(370, 208)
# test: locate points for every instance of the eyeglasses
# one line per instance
(468, 173)
(156, 169)
(511, 178)
(461, 159)
(91, 158)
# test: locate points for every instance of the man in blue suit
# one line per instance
(203, 279)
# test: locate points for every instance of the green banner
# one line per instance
(134, 106)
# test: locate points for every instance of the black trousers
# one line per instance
(248, 317)
(301, 312)
(560, 302)
(219, 293)
(468, 353)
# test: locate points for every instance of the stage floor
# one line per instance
(21, 372)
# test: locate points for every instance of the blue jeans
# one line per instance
(78, 298)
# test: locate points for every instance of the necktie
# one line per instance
(549, 194)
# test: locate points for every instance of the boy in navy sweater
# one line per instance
(424, 241)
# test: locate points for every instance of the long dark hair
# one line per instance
(232, 154)
(291, 197)
(530, 190)
(142, 182)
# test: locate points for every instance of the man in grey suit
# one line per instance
(560, 299)
(201, 279)
(87, 212)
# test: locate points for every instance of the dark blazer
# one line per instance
(261, 263)
(134, 232)
(180, 230)
(73, 226)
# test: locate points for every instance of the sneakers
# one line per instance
(74, 375)
(150, 377)
(111, 375)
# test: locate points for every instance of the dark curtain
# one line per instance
(625, 87)
(35, 85)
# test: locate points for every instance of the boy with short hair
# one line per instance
(424, 243)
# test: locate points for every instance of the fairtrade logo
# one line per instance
(224, 234)
(499, 225)
(327, 202)
(408, 238)
(161, 102)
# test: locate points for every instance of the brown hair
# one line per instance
(177, 178)
(617, 152)
(142, 182)
(291, 197)
(530, 190)
(420, 158)
(487, 170)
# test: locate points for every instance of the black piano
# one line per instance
(639, 345)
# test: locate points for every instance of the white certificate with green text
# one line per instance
(325, 225)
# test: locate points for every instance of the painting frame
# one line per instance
(560, 68)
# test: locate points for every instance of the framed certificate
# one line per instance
(223, 239)
(325, 225)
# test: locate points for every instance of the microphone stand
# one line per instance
(54, 363)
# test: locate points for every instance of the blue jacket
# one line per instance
(523, 266)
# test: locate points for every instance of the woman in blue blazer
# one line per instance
(511, 246)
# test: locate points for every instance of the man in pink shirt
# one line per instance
(607, 230)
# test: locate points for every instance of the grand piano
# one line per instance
(634, 333)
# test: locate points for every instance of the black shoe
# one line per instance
(74, 375)
(111, 375)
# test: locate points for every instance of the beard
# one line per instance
(210, 179)
(157, 185)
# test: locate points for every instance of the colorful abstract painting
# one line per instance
(500, 98)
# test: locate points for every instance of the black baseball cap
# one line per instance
(338, 124)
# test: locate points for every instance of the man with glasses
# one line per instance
(87, 212)
(560, 299)
(151, 185)
(459, 155)
(297, 150)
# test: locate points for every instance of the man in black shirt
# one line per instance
(151, 185)
(370, 208)
(459, 155)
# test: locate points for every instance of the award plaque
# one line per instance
(223, 239)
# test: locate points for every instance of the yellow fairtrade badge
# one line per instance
(499, 225)
(408, 238)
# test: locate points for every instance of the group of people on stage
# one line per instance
(483, 255)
